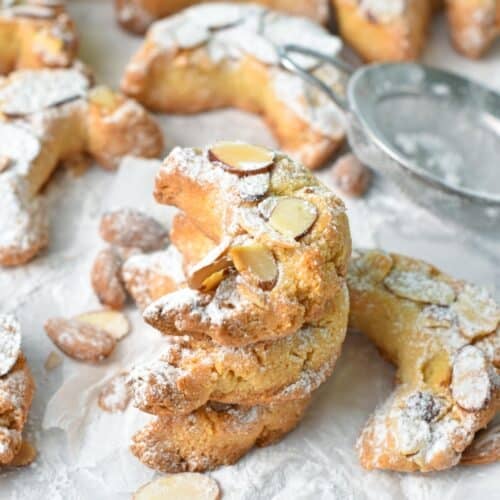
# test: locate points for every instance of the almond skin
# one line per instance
(80, 341)
(106, 279)
(131, 228)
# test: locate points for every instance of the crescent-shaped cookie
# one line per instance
(51, 115)
(213, 435)
(225, 55)
(36, 34)
(443, 335)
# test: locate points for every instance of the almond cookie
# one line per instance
(37, 108)
(474, 25)
(443, 335)
(213, 435)
(137, 15)
(282, 244)
(384, 30)
(36, 34)
(224, 55)
(16, 390)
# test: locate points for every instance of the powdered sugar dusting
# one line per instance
(26, 92)
(471, 386)
(24, 219)
(229, 32)
(10, 342)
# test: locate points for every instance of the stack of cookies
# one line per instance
(258, 320)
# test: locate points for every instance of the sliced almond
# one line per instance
(80, 341)
(53, 361)
(293, 217)
(214, 262)
(25, 456)
(258, 261)
(182, 486)
(470, 383)
(213, 281)
(106, 279)
(113, 322)
(10, 342)
(131, 228)
(419, 287)
(370, 266)
(478, 314)
(241, 158)
(5, 163)
(254, 187)
(116, 394)
(485, 449)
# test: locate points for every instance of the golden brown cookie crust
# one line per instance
(377, 37)
(213, 435)
(443, 336)
(311, 268)
(36, 36)
(189, 77)
(104, 124)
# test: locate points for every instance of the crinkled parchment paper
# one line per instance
(83, 452)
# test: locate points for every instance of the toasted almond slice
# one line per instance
(213, 281)
(293, 217)
(115, 395)
(258, 261)
(113, 322)
(5, 163)
(79, 340)
(254, 187)
(419, 287)
(131, 228)
(25, 456)
(478, 314)
(215, 261)
(53, 361)
(182, 486)
(485, 449)
(10, 342)
(241, 158)
(470, 383)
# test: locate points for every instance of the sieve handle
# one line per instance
(284, 52)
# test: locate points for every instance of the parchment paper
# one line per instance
(84, 451)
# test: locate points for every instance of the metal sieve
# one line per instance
(436, 134)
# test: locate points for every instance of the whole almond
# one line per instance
(80, 341)
(351, 176)
(127, 227)
(106, 278)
